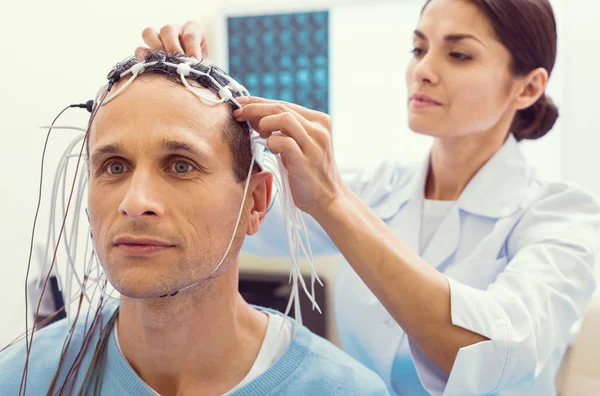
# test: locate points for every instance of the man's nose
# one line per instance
(142, 197)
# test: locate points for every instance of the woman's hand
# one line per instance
(305, 146)
(188, 39)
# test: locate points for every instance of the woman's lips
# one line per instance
(421, 101)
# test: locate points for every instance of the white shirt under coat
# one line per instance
(518, 253)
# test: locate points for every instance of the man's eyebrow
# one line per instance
(168, 145)
(177, 145)
(453, 38)
(108, 149)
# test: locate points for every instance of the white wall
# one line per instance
(580, 109)
(61, 51)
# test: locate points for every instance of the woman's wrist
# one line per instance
(336, 209)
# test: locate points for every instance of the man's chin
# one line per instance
(139, 291)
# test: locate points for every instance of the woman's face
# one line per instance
(459, 80)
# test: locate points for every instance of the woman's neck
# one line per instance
(455, 161)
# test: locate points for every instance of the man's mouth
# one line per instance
(135, 246)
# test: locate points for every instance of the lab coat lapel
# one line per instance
(500, 186)
(445, 240)
(406, 223)
(495, 191)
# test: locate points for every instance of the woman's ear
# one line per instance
(260, 190)
(531, 88)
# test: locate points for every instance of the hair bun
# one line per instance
(535, 121)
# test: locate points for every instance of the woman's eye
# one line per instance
(181, 167)
(115, 168)
(459, 56)
(417, 51)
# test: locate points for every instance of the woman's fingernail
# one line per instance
(238, 113)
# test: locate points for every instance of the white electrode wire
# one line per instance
(203, 98)
(71, 247)
(86, 270)
(53, 205)
(292, 246)
(237, 222)
(88, 263)
(71, 275)
(196, 72)
(297, 244)
(121, 89)
(138, 68)
(296, 216)
(55, 188)
(72, 128)
(293, 219)
(135, 71)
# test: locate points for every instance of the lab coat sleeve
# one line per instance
(528, 311)
(271, 240)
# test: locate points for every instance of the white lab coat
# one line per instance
(518, 254)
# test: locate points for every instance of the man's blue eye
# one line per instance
(115, 168)
(182, 167)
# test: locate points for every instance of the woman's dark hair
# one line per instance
(527, 28)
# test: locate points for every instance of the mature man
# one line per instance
(167, 175)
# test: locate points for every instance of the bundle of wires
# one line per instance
(91, 286)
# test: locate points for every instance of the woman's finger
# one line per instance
(140, 53)
(192, 38)
(152, 39)
(289, 125)
(254, 112)
(310, 115)
(169, 36)
(285, 146)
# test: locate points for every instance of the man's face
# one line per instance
(163, 198)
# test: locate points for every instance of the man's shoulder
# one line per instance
(46, 353)
(328, 366)
(42, 363)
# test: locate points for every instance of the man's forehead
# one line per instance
(155, 106)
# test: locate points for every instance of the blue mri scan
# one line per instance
(283, 56)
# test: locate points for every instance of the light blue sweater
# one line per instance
(310, 366)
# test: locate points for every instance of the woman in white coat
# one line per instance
(463, 274)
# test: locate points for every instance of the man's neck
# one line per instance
(206, 337)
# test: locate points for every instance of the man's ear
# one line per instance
(531, 88)
(259, 196)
